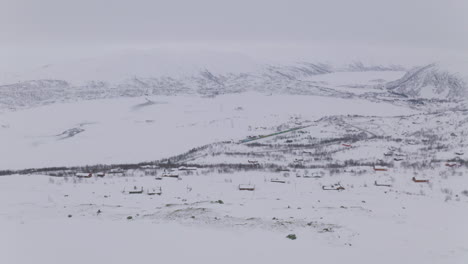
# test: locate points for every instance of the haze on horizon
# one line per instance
(39, 32)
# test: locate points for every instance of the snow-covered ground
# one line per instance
(203, 217)
(130, 130)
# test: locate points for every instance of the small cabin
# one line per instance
(149, 167)
(136, 191)
(101, 174)
(154, 191)
(83, 175)
(254, 162)
(452, 164)
(170, 175)
(246, 187)
(333, 187)
(420, 180)
(314, 174)
(380, 168)
(382, 184)
(184, 168)
(276, 180)
(116, 171)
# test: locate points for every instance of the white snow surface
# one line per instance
(408, 223)
(144, 129)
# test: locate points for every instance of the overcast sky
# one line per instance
(40, 28)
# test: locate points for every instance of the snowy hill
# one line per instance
(138, 73)
(434, 81)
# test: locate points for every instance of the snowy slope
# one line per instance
(405, 223)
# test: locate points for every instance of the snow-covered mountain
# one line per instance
(360, 66)
(433, 81)
(116, 67)
(131, 74)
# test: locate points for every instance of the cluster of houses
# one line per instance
(167, 173)
(89, 175)
(333, 187)
(136, 190)
(174, 172)
(392, 152)
(147, 169)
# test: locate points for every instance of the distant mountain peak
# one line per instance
(434, 81)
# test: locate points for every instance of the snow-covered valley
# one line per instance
(131, 130)
(225, 167)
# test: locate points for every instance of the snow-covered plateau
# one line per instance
(302, 163)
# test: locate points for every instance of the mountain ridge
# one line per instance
(432, 81)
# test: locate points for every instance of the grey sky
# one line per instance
(27, 25)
